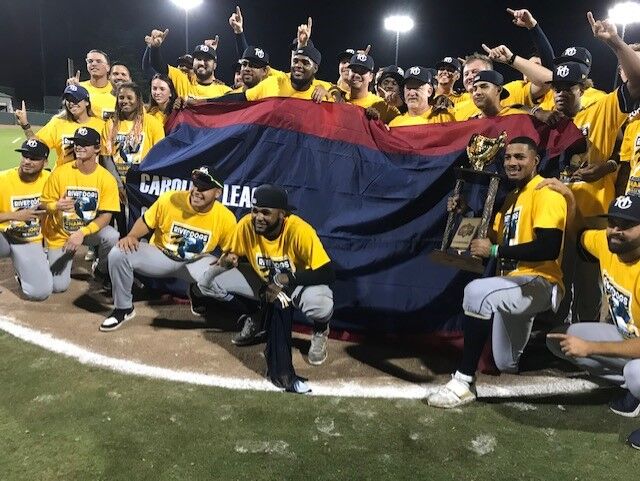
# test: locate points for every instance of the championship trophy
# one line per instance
(454, 251)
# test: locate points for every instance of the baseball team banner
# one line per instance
(377, 197)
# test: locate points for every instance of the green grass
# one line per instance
(60, 420)
(11, 137)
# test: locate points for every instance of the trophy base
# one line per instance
(461, 261)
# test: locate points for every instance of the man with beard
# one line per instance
(448, 74)
(285, 256)
(254, 68)
(611, 351)
(417, 93)
(20, 233)
(118, 74)
(103, 101)
(187, 226)
(526, 239)
(200, 86)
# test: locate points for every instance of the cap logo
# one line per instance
(204, 170)
(258, 52)
(623, 202)
(73, 88)
(82, 131)
(300, 50)
(562, 71)
(350, 50)
(204, 48)
(448, 60)
(33, 143)
(570, 51)
(362, 57)
(414, 71)
(400, 71)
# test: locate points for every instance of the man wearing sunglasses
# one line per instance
(20, 231)
(254, 68)
(187, 227)
(284, 257)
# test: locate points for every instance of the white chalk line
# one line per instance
(529, 386)
(15, 140)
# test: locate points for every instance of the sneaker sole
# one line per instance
(317, 363)
(631, 414)
(453, 406)
(128, 317)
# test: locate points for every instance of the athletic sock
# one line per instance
(476, 333)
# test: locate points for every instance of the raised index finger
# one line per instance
(238, 12)
(486, 49)
(511, 11)
(309, 22)
(557, 335)
(24, 108)
(592, 21)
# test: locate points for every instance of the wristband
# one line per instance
(26, 126)
(494, 250)
(90, 228)
(613, 163)
(512, 59)
(278, 283)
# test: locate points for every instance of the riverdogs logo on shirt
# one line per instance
(619, 307)
(186, 243)
(24, 230)
(270, 266)
(85, 208)
(128, 151)
(510, 229)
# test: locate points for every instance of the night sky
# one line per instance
(35, 58)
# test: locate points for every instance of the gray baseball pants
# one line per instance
(31, 265)
(512, 302)
(149, 261)
(617, 370)
(60, 260)
(315, 302)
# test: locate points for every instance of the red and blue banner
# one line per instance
(377, 197)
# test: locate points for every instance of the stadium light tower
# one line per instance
(399, 24)
(625, 13)
(186, 5)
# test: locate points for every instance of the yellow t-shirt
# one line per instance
(57, 132)
(455, 97)
(159, 115)
(17, 195)
(467, 110)
(279, 86)
(630, 152)
(600, 123)
(519, 94)
(188, 86)
(521, 214)
(103, 102)
(127, 150)
(183, 234)
(427, 117)
(504, 111)
(620, 281)
(94, 193)
(297, 248)
(387, 112)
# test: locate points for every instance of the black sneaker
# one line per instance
(103, 279)
(627, 406)
(116, 319)
(634, 439)
(197, 300)
(252, 332)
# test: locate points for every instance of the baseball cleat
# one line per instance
(252, 332)
(634, 439)
(627, 406)
(197, 301)
(453, 394)
(116, 319)
(318, 350)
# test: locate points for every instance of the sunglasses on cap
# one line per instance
(34, 158)
(250, 64)
(208, 178)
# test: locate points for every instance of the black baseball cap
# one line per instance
(206, 178)
(493, 77)
(256, 55)
(362, 60)
(311, 52)
(346, 54)
(34, 148)
(574, 54)
(392, 71)
(626, 207)
(450, 62)
(77, 92)
(434, 73)
(185, 61)
(421, 74)
(570, 72)
(205, 50)
(271, 197)
(85, 136)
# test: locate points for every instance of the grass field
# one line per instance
(11, 137)
(61, 420)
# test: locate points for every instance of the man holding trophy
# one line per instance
(526, 240)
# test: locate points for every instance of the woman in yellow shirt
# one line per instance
(163, 95)
(76, 112)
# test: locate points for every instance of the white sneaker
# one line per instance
(453, 394)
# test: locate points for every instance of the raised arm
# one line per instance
(154, 41)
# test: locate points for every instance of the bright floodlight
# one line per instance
(398, 23)
(625, 13)
(187, 4)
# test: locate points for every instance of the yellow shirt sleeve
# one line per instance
(309, 248)
(267, 88)
(551, 210)
(49, 133)
(594, 241)
(180, 81)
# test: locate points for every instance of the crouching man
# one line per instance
(284, 254)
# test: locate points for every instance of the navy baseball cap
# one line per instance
(570, 72)
(493, 77)
(256, 55)
(206, 178)
(346, 55)
(311, 52)
(85, 136)
(420, 74)
(206, 51)
(362, 60)
(76, 92)
(626, 207)
(392, 71)
(271, 197)
(574, 54)
(450, 62)
(34, 149)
